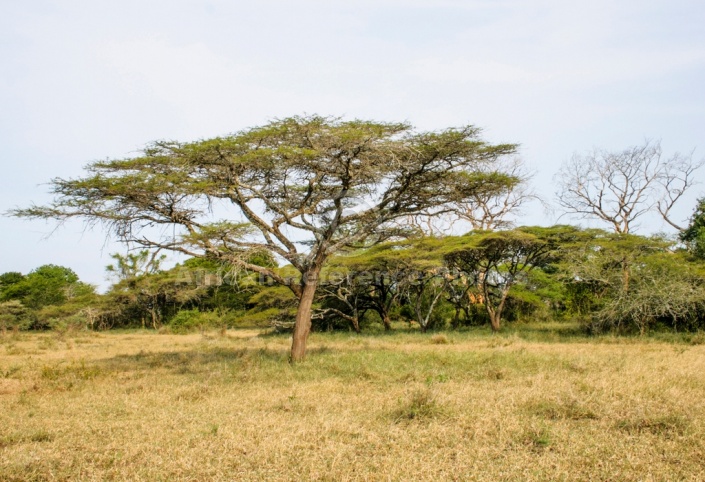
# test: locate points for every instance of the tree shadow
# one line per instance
(193, 361)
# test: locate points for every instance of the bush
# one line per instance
(68, 324)
(14, 316)
(186, 321)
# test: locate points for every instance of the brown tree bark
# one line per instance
(355, 322)
(495, 321)
(302, 326)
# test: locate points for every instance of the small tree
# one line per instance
(14, 315)
(343, 295)
(133, 265)
(302, 188)
(496, 261)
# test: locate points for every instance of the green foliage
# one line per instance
(48, 294)
(694, 234)
(272, 306)
(10, 278)
(191, 320)
(608, 281)
(630, 283)
(663, 289)
(46, 285)
(496, 261)
(14, 315)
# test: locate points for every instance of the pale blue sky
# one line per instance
(85, 80)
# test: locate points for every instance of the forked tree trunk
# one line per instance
(302, 326)
(495, 321)
(495, 313)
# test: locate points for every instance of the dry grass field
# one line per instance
(460, 406)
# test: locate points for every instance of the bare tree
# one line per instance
(489, 211)
(678, 176)
(620, 187)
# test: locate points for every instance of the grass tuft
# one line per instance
(420, 404)
(440, 339)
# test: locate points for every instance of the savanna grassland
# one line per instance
(529, 405)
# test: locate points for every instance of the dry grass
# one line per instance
(227, 406)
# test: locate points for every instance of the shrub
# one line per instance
(440, 339)
(191, 320)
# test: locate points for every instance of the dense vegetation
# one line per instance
(607, 281)
(320, 223)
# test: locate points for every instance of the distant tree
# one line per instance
(490, 211)
(302, 189)
(133, 265)
(424, 289)
(664, 289)
(343, 295)
(47, 285)
(658, 286)
(151, 298)
(381, 273)
(677, 178)
(10, 278)
(496, 261)
(620, 187)
(13, 315)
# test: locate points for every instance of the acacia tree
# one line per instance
(343, 296)
(618, 281)
(496, 262)
(301, 188)
(620, 187)
(134, 265)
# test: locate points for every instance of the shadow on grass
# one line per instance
(548, 332)
(195, 361)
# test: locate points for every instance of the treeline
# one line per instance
(607, 281)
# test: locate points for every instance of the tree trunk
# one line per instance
(625, 275)
(495, 315)
(386, 322)
(355, 321)
(495, 321)
(466, 310)
(456, 319)
(356, 325)
(302, 326)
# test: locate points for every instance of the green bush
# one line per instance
(186, 321)
(14, 316)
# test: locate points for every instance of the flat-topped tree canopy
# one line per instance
(300, 188)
